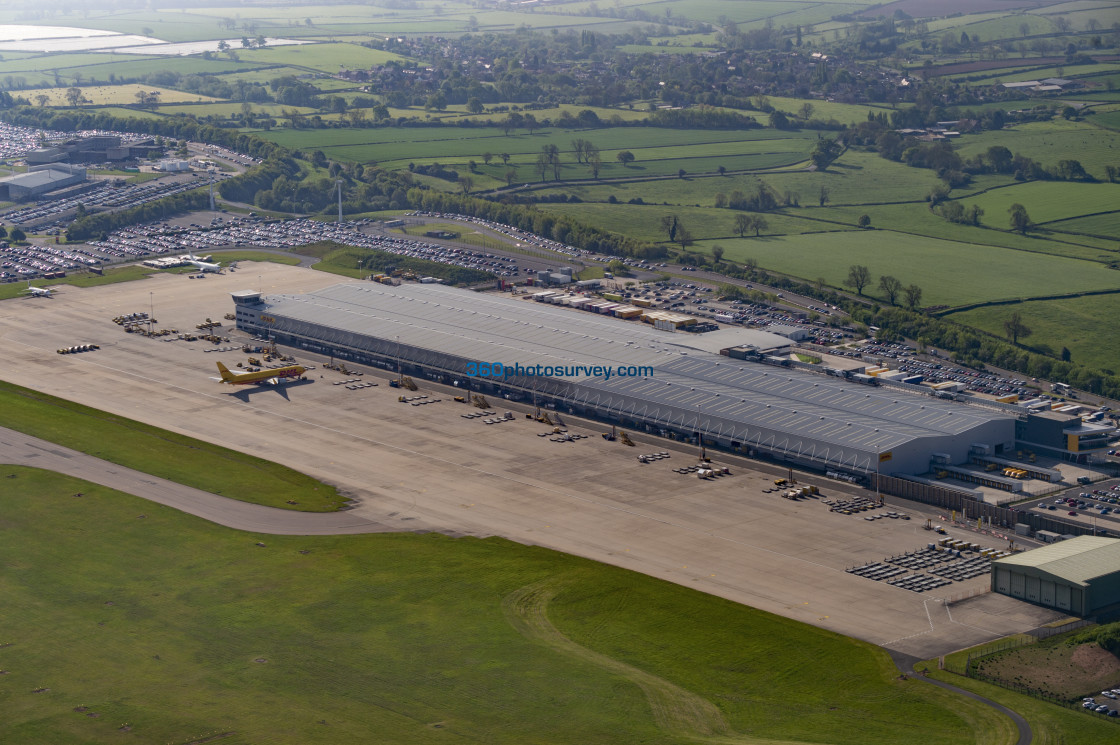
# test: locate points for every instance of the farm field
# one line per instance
(415, 637)
(698, 160)
(935, 265)
(456, 113)
(101, 66)
(44, 62)
(1071, 72)
(844, 113)
(1109, 119)
(657, 151)
(1077, 323)
(460, 141)
(230, 109)
(857, 178)
(919, 220)
(1105, 225)
(322, 57)
(704, 223)
(170, 26)
(262, 73)
(125, 112)
(108, 95)
(1047, 201)
(137, 66)
(1051, 142)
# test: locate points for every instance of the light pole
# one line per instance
(151, 312)
(878, 457)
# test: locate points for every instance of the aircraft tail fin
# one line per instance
(226, 374)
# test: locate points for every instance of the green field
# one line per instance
(49, 62)
(1081, 324)
(1047, 201)
(125, 112)
(1103, 225)
(111, 275)
(350, 261)
(658, 152)
(230, 109)
(844, 113)
(918, 219)
(263, 255)
(1050, 724)
(108, 95)
(162, 453)
(1073, 72)
(170, 629)
(322, 57)
(856, 178)
(950, 273)
(1053, 141)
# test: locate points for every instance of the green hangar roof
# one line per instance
(1077, 560)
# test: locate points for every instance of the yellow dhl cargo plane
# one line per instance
(262, 377)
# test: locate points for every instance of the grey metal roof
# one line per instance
(36, 178)
(1078, 560)
(694, 383)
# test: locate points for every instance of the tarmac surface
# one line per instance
(428, 468)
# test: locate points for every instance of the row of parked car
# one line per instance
(521, 236)
(31, 261)
(16, 141)
(161, 238)
(974, 380)
(1090, 703)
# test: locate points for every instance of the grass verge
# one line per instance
(351, 261)
(1050, 724)
(163, 453)
(171, 629)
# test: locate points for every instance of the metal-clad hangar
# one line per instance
(676, 386)
(1079, 575)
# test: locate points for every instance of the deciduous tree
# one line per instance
(913, 295)
(858, 277)
(1015, 328)
(891, 287)
(1020, 220)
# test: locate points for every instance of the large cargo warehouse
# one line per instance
(661, 382)
(1080, 575)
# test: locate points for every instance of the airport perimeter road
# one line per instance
(907, 666)
(20, 449)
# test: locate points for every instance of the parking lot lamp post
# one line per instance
(878, 496)
(151, 312)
